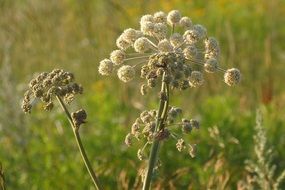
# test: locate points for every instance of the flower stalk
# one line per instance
(84, 156)
(161, 118)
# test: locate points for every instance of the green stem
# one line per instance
(161, 117)
(75, 130)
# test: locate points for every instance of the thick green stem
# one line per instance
(161, 117)
(80, 146)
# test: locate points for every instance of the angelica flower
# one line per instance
(117, 56)
(105, 67)
(232, 77)
(126, 73)
(173, 17)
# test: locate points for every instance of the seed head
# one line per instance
(211, 65)
(105, 67)
(142, 44)
(190, 52)
(146, 18)
(130, 35)
(79, 117)
(186, 23)
(147, 28)
(196, 79)
(117, 56)
(160, 30)
(160, 17)
(164, 46)
(176, 39)
(126, 73)
(122, 43)
(232, 77)
(173, 17)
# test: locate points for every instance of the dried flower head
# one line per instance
(126, 73)
(47, 85)
(232, 77)
(79, 117)
(161, 49)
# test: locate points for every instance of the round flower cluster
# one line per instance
(144, 129)
(47, 85)
(160, 48)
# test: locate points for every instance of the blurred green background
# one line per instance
(38, 151)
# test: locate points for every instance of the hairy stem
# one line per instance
(161, 117)
(75, 130)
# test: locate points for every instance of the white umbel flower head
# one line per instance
(146, 18)
(173, 17)
(130, 35)
(118, 56)
(212, 48)
(165, 46)
(176, 39)
(186, 23)
(121, 43)
(105, 67)
(232, 77)
(142, 44)
(160, 17)
(190, 52)
(202, 31)
(211, 65)
(126, 73)
(147, 28)
(196, 79)
(160, 30)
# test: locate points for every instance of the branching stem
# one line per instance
(161, 117)
(75, 130)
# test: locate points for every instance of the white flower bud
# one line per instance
(105, 67)
(117, 57)
(186, 23)
(165, 46)
(173, 17)
(190, 52)
(141, 45)
(160, 17)
(176, 39)
(232, 77)
(196, 79)
(211, 65)
(126, 73)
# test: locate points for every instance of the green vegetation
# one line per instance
(39, 151)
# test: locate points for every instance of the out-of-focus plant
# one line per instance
(2, 178)
(262, 172)
(59, 85)
(169, 49)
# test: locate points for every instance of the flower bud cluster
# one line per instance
(144, 128)
(47, 85)
(160, 48)
(79, 117)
